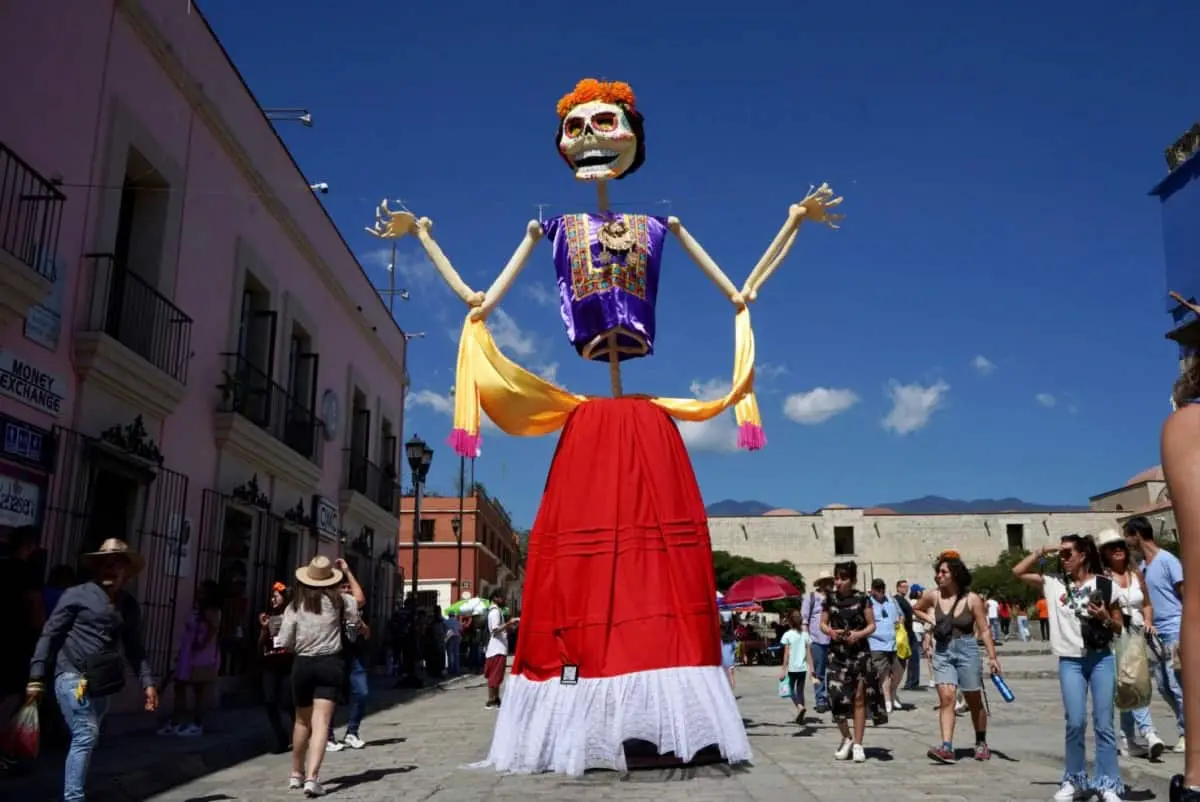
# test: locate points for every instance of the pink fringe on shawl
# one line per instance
(464, 445)
(751, 437)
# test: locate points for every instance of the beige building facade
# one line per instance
(894, 546)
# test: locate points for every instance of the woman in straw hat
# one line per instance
(312, 631)
(86, 629)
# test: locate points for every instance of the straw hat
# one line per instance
(319, 573)
(824, 576)
(115, 547)
(1109, 537)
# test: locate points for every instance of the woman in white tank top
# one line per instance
(1129, 590)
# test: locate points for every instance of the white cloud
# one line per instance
(818, 405)
(912, 405)
(509, 337)
(412, 266)
(718, 434)
(768, 371)
(542, 295)
(983, 366)
(549, 372)
(1046, 400)
(442, 405)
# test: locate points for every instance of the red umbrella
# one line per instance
(760, 588)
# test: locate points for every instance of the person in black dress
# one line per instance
(276, 665)
(849, 619)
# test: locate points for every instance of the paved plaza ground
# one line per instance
(418, 751)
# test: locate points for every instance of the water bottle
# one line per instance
(1002, 687)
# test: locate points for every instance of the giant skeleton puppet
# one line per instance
(619, 634)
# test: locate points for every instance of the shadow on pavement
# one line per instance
(368, 776)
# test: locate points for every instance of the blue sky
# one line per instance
(987, 322)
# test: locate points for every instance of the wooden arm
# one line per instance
(703, 260)
(469, 296)
(776, 252)
(496, 292)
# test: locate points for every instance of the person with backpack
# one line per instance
(1084, 618)
(810, 611)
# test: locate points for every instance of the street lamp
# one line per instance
(420, 455)
(457, 525)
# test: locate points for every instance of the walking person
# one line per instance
(356, 652)
(1043, 616)
(993, 616)
(87, 631)
(275, 668)
(1181, 469)
(312, 629)
(1129, 590)
(1084, 619)
(197, 664)
(954, 615)
(810, 610)
(882, 642)
(495, 658)
(1163, 574)
(915, 629)
(453, 646)
(1005, 612)
(797, 657)
(1021, 612)
(848, 619)
(729, 624)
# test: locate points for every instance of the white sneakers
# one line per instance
(1065, 793)
(850, 751)
(353, 741)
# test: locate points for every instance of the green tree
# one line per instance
(998, 580)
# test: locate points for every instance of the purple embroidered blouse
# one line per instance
(595, 297)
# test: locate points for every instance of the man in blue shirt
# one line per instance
(884, 663)
(1164, 583)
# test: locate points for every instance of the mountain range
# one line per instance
(925, 505)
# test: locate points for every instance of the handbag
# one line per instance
(785, 688)
(1133, 688)
(103, 673)
(903, 647)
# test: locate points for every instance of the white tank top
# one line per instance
(1131, 600)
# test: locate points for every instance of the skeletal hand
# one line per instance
(816, 206)
(393, 224)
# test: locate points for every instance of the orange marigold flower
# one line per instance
(590, 89)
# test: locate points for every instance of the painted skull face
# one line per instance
(598, 141)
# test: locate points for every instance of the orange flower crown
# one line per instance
(589, 89)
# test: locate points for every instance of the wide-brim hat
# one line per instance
(319, 573)
(1109, 537)
(824, 575)
(115, 547)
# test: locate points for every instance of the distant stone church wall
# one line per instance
(894, 546)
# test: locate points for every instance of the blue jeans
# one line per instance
(1077, 676)
(83, 719)
(454, 655)
(360, 689)
(913, 679)
(820, 657)
(1136, 722)
(995, 624)
(1169, 685)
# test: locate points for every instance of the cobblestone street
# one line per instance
(418, 751)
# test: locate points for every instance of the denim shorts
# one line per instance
(728, 655)
(958, 664)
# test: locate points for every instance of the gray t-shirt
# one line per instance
(305, 634)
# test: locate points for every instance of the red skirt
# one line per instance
(619, 575)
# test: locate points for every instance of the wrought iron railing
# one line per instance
(251, 393)
(125, 307)
(375, 482)
(30, 214)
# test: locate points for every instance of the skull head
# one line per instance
(602, 141)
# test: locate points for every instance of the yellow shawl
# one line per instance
(523, 404)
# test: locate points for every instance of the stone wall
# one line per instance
(893, 546)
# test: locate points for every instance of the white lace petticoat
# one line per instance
(568, 729)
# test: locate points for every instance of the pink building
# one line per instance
(191, 358)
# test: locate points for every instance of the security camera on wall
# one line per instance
(322, 187)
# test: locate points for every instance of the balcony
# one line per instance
(134, 343)
(266, 425)
(30, 219)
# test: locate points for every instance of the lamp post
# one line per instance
(457, 524)
(420, 455)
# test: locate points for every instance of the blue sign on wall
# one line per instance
(26, 443)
